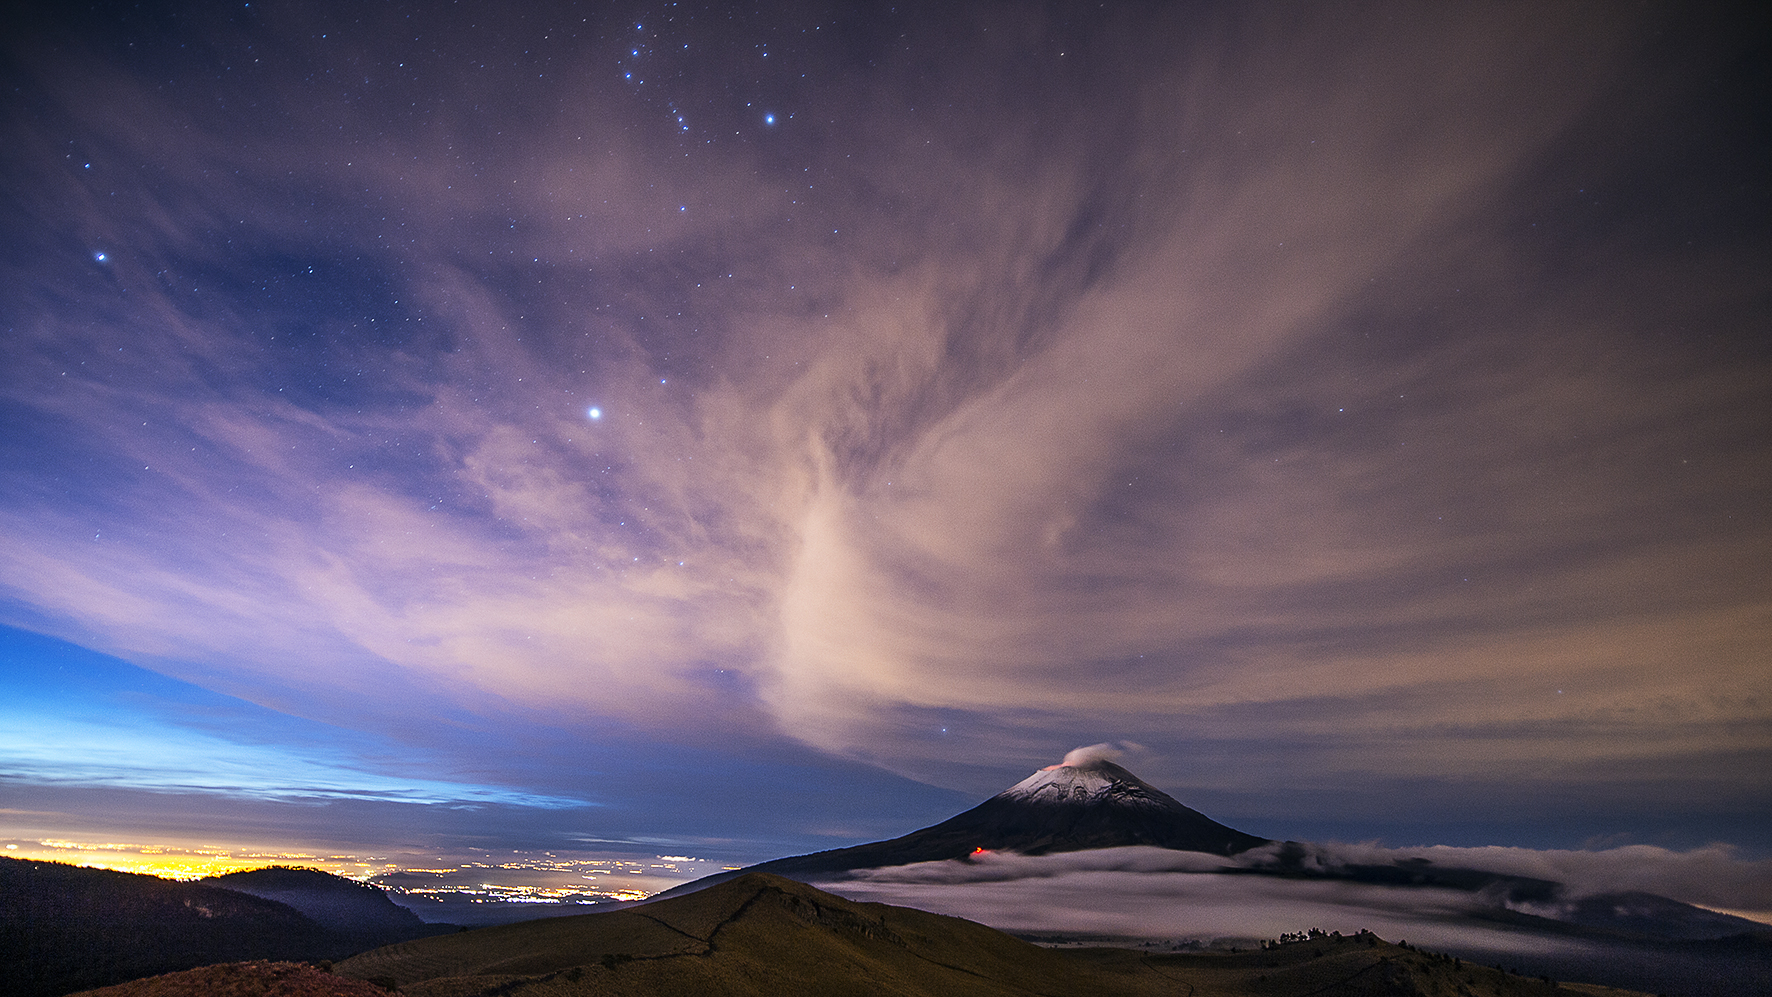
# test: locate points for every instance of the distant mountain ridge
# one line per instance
(338, 904)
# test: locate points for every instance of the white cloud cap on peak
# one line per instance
(1091, 753)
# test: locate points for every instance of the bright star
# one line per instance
(769, 119)
(100, 257)
(594, 413)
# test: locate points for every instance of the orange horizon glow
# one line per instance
(186, 863)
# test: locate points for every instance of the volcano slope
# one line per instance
(762, 934)
(1060, 808)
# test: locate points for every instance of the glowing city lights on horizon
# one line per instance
(521, 877)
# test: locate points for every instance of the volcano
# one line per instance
(1061, 808)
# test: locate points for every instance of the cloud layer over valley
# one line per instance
(1154, 893)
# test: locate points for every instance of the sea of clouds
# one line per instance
(1156, 893)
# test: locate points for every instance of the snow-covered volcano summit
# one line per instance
(1094, 783)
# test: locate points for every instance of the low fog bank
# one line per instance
(1156, 893)
(1184, 904)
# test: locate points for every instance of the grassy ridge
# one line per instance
(759, 934)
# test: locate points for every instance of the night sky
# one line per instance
(722, 432)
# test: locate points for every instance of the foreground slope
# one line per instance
(758, 934)
(765, 935)
(245, 979)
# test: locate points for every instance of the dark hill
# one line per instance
(339, 904)
(1647, 915)
(65, 928)
(765, 935)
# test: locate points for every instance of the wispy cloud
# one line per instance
(1208, 379)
